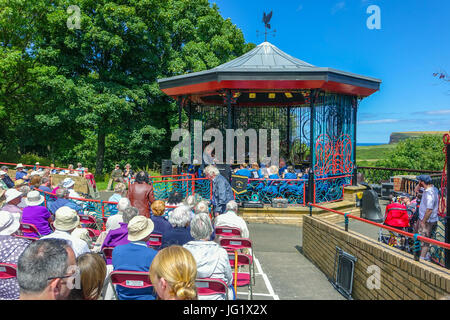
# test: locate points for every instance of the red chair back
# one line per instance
(26, 237)
(87, 219)
(93, 233)
(155, 240)
(226, 231)
(242, 259)
(8, 270)
(235, 243)
(210, 286)
(107, 251)
(131, 279)
(29, 228)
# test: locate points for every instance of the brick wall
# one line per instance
(402, 278)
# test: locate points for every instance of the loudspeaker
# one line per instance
(166, 167)
(386, 190)
(370, 208)
(225, 171)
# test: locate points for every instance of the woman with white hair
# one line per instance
(180, 233)
(212, 259)
(120, 189)
(222, 192)
(231, 219)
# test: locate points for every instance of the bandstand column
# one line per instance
(288, 129)
(355, 112)
(180, 110)
(312, 112)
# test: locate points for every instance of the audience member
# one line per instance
(119, 236)
(283, 167)
(180, 232)
(212, 259)
(45, 185)
(120, 190)
(175, 199)
(21, 174)
(114, 220)
(36, 214)
(66, 220)
(62, 200)
(141, 195)
(135, 256)
(128, 173)
(222, 192)
(173, 273)
(6, 178)
(231, 219)
(46, 270)
(10, 249)
(24, 189)
(3, 185)
(83, 234)
(202, 206)
(80, 170)
(256, 171)
(92, 269)
(244, 171)
(35, 181)
(13, 198)
(72, 172)
(162, 226)
(290, 173)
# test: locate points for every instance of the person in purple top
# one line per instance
(119, 236)
(36, 214)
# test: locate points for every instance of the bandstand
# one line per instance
(314, 109)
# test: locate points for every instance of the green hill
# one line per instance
(398, 136)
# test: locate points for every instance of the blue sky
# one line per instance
(411, 45)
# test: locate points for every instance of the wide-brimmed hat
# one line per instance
(8, 225)
(68, 182)
(139, 227)
(2, 173)
(34, 198)
(66, 219)
(12, 194)
(19, 165)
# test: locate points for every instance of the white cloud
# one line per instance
(444, 111)
(378, 121)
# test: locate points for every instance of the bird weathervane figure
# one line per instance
(266, 21)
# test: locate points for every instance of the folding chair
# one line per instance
(235, 243)
(29, 228)
(130, 279)
(226, 231)
(88, 220)
(107, 251)
(242, 279)
(7, 270)
(155, 240)
(93, 233)
(211, 286)
(26, 237)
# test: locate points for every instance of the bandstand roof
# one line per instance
(263, 69)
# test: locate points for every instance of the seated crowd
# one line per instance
(60, 249)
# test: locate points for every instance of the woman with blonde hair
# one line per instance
(173, 272)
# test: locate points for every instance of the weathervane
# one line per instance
(266, 20)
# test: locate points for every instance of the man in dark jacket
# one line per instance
(222, 192)
(141, 195)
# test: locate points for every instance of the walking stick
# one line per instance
(235, 272)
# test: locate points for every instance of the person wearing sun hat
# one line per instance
(20, 173)
(36, 214)
(135, 256)
(11, 248)
(66, 221)
(13, 198)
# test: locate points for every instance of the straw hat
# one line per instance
(19, 165)
(66, 219)
(8, 225)
(12, 194)
(139, 227)
(34, 198)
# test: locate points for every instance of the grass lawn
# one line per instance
(368, 155)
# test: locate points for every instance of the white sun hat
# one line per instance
(8, 225)
(34, 198)
(66, 219)
(12, 194)
(139, 227)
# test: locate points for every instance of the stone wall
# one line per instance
(402, 278)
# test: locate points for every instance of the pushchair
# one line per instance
(396, 216)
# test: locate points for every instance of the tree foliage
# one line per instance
(90, 94)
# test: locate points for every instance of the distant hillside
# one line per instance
(398, 136)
